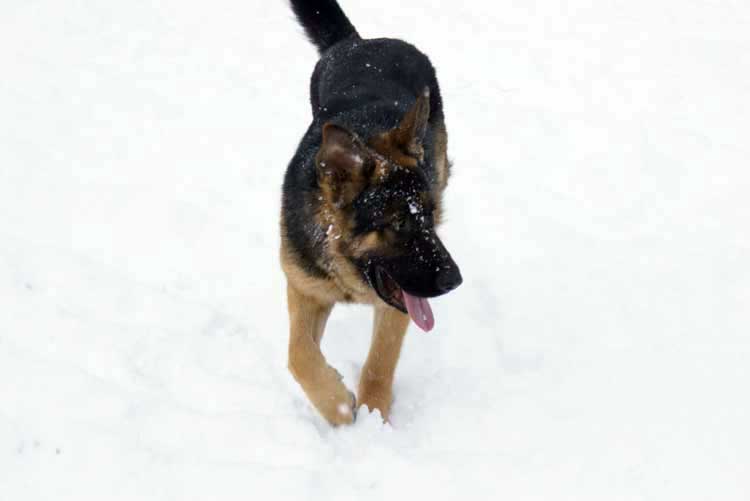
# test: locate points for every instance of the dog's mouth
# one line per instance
(418, 308)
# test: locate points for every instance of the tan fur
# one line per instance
(442, 169)
(308, 313)
(344, 287)
(402, 144)
(441, 156)
(320, 381)
(386, 145)
(376, 380)
(369, 243)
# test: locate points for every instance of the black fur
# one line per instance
(324, 22)
(379, 205)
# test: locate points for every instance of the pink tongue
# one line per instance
(419, 311)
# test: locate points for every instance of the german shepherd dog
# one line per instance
(361, 199)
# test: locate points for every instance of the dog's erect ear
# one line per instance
(404, 142)
(342, 163)
(411, 131)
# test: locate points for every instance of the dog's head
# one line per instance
(378, 210)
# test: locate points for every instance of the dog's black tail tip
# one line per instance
(324, 22)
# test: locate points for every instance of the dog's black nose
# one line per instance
(448, 279)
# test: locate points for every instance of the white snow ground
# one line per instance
(599, 208)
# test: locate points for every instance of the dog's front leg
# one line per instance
(376, 381)
(321, 382)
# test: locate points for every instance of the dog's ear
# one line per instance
(342, 163)
(410, 133)
(404, 143)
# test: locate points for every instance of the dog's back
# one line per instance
(367, 84)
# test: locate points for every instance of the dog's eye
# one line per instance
(400, 225)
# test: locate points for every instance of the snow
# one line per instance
(598, 348)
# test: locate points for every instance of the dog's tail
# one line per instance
(324, 22)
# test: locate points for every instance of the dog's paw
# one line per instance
(376, 396)
(340, 406)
